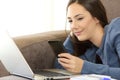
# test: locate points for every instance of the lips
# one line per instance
(78, 33)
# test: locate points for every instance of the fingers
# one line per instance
(64, 60)
(65, 55)
(65, 65)
(70, 62)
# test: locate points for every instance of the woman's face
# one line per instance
(83, 25)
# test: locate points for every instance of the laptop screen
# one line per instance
(12, 58)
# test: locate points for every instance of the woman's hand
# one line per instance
(70, 62)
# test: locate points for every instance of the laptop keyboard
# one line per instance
(49, 73)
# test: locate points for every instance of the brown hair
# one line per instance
(96, 9)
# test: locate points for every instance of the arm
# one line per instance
(93, 68)
(113, 41)
(77, 65)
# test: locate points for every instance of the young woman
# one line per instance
(93, 45)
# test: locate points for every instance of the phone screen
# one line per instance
(57, 47)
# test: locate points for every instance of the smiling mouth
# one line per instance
(78, 33)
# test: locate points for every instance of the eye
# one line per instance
(79, 18)
(70, 21)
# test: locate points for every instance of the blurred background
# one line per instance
(23, 17)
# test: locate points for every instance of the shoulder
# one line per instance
(117, 19)
(114, 24)
(113, 30)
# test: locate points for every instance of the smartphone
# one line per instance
(57, 47)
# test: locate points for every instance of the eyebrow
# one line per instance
(75, 16)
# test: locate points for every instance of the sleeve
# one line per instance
(89, 67)
(68, 46)
(114, 34)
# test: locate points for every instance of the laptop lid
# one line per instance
(12, 58)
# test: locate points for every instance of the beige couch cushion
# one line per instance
(112, 8)
(36, 49)
(3, 71)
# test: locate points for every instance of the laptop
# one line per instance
(15, 63)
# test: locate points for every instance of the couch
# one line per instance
(36, 49)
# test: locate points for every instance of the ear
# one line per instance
(97, 21)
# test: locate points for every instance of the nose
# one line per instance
(74, 25)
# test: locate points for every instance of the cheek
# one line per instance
(87, 22)
(89, 28)
(90, 25)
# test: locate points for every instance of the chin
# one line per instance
(81, 39)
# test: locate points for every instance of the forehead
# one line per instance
(75, 8)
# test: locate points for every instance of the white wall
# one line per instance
(21, 17)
